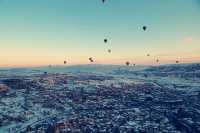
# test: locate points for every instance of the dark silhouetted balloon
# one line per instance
(105, 40)
(109, 50)
(144, 28)
(177, 62)
(157, 60)
(65, 62)
(148, 54)
(127, 63)
(91, 60)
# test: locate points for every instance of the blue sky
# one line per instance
(42, 32)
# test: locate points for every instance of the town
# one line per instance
(86, 102)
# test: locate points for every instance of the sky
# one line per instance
(43, 32)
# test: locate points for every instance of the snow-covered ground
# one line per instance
(31, 98)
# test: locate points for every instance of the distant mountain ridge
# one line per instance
(113, 69)
(175, 68)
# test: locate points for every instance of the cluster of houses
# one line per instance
(89, 103)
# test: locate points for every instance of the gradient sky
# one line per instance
(42, 32)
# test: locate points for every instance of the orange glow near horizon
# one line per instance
(44, 60)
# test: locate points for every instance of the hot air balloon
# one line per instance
(144, 28)
(65, 62)
(109, 50)
(105, 40)
(127, 63)
(148, 54)
(177, 62)
(157, 60)
(91, 60)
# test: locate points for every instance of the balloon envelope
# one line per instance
(144, 28)
(91, 60)
(105, 40)
(127, 63)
